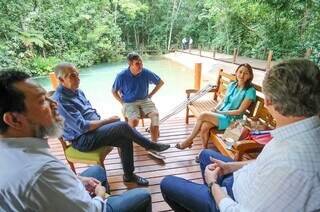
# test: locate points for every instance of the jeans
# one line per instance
(99, 173)
(117, 134)
(184, 195)
(135, 200)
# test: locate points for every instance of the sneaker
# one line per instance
(133, 178)
(158, 147)
(157, 155)
(197, 159)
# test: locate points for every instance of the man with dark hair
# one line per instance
(131, 89)
(87, 131)
(31, 179)
(285, 176)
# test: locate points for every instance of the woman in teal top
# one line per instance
(239, 95)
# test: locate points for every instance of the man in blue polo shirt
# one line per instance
(131, 89)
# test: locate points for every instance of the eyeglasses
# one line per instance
(73, 75)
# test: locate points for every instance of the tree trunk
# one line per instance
(175, 11)
(136, 37)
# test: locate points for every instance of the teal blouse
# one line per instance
(232, 101)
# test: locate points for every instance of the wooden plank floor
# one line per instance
(179, 163)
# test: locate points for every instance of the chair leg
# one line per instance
(72, 167)
(142, 122)
(187, 115)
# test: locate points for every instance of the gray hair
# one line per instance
(60, 69)
(294, 87)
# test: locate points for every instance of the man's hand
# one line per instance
(114, 119)
(100, 191)
(211, 174)
(225, 168)
(89, 183)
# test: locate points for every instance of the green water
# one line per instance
(96, 82)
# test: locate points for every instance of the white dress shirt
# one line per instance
(31, 179)
(285, 176)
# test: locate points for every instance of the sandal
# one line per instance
(179, 146)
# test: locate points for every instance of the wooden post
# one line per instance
(235, 50)
(214, 53)
(197, 76)
(308, 53)
(54, 80)
(269, 59)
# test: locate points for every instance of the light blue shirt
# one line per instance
(133, 88)
(31, 179)
(285, 176)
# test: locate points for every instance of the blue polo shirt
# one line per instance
(77, 111)
(133, 88)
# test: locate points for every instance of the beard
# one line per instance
(55, 130)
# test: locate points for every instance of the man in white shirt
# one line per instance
(285, 176)
(31, 179)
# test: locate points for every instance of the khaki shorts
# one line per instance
(132, 110)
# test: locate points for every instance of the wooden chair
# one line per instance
(75, 156)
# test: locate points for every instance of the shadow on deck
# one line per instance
(177, 162)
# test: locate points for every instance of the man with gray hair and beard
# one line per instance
(31, 179)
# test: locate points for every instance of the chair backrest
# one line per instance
(263, 115)
(222, 83)
(54, 80)
(64, 144)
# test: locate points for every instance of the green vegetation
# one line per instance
(36, 34)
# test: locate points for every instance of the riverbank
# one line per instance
(210, 67)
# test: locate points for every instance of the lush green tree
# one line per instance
(36, 34)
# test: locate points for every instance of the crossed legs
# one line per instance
(205, 122)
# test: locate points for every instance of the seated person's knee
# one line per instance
(205, 128)
(133, 122)
(203, 115)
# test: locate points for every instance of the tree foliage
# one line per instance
(36, 34)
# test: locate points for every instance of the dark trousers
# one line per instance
(184, 195)
(117, 134)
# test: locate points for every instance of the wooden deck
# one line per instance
(179, 163)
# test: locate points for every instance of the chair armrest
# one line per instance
(246, 146)
(190, 91)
